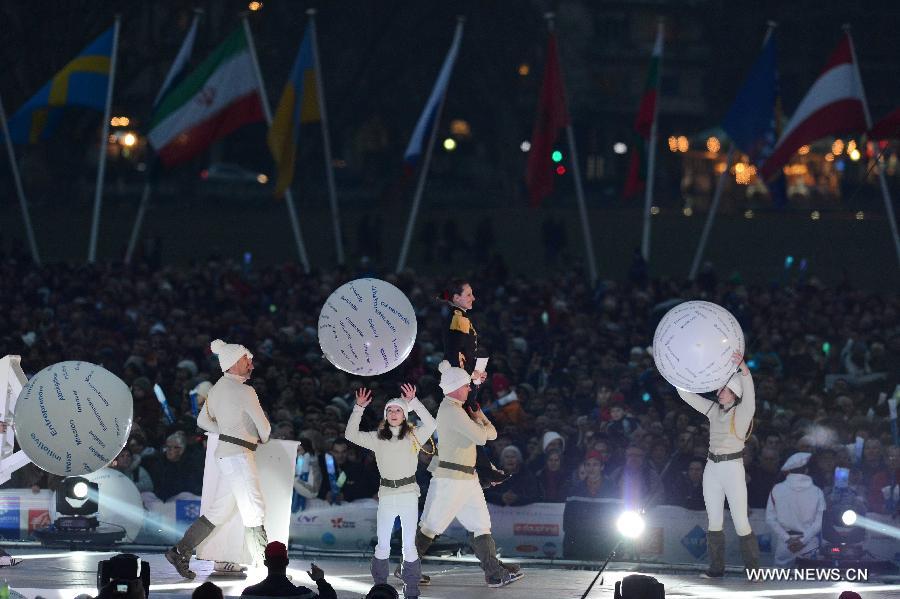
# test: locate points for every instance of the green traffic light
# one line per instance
(556, 156)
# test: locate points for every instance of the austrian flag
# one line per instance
(220, 96)
(832, 106)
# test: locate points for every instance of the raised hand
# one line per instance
(408, 391)
(316, 573)
(363, 397)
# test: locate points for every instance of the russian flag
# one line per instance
(426, 120)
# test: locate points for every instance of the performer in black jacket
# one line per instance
(461, 350)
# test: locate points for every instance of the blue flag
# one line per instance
(750, 123)
(427, 118)
(82, 82)
(754, 119)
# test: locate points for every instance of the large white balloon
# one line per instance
(73, 418)
(367, 327)
(695, 344)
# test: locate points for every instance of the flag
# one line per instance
(220, 96)
(552, 115)
(832, 106)
(643, 123)
(754, 121)
(426, 120)
(887, 128)
(82, 82)
(179, 65)
(750, 122)
(299, 104)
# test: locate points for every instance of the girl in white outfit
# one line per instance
(396, 444)
(730, 420)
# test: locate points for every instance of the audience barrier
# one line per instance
(673, 534)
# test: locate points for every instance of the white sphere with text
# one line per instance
(73, 418)
(698, 346)
(367, 327)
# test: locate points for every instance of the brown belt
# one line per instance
(398, 483)
(235, 441)
(725, 456)
(457, 467)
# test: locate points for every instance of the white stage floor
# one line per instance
(64, 575)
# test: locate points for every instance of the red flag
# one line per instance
(887, 128)
(643, 123)
(551, 117)
(832, 106)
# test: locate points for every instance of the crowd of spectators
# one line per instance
(578, 405)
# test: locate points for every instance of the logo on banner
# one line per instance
(38, 519)
(550, 549)
(526, 548)
(187, 510)
(536, 530)
(306, 519)
(341, 523)
(695, 542)
(9, 513)
(328, 539)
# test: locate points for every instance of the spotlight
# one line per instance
(79, 490)
(74, 497)
(848, 518)
(630, 524)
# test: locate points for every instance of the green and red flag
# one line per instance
(221, 95)
(643, 123)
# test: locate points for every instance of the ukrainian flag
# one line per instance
(82, 82)
(299, 104)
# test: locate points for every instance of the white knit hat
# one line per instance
(396, 402)
(229, 353)
(550, 437)
(734, 383)
(452, 378)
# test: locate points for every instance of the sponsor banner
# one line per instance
(673, 534)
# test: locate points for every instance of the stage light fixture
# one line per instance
(77, 496)
(848, 518)
(630, 524)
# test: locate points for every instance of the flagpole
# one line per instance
(326, 140)
(104, 142)
(423, 172)
(20, 191)
(720, 186)
(148, 187)
(651, 152)
(267, 111)
(885, 193)
(579, 189)
(711, 215)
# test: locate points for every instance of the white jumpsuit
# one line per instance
(727, 431)
(397, 459)
(233, 409)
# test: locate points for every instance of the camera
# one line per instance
(123, 575)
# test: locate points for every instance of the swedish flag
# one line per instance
(82, 82)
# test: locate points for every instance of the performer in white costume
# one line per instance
(794, 512)
(232, 410)
(730, 420)
(455, 491)
(396, 444)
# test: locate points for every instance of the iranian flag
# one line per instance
(220, 96)
(643, 123)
